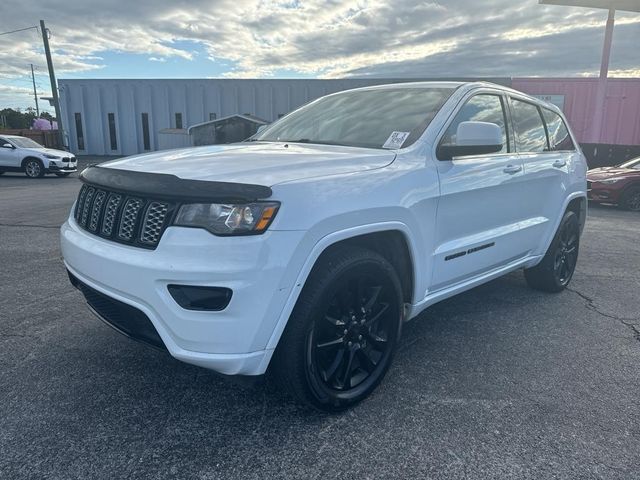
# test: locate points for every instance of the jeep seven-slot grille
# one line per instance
(128, 219)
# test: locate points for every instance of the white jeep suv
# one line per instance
(305, 248)
(21, 154)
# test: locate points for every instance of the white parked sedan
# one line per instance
(21, 154)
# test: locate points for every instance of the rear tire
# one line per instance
(631, 199)
(342, 334)
(33, 168)
(556, 269)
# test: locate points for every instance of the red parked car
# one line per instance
(619, 185)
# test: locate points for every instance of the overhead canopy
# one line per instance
(628, 5)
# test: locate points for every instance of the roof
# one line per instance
(627, 5)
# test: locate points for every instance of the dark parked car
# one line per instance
(619, 185)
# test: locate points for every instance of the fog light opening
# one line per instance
(190, 297)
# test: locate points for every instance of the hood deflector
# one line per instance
(170, 187)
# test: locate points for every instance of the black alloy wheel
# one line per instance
(340, 338)
(566, 252)
(353, 338)
(556, 269)
(631, 199)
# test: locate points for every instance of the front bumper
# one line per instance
(232, 341)
(62, 167)
(601, 193)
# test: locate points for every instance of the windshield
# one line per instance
(635, 163)
(361, 118)
(24, 142)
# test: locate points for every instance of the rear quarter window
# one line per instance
(559, 138)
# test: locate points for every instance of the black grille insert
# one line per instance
(124, 318)
(131, 220)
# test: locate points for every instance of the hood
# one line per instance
(50, 151)
(609, 172)
(256, 163)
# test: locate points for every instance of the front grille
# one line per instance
(123, 317)
(122, 218)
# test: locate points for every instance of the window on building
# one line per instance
(480, 108)
(559, 138)
(527, 123)
(79, 131)
(112, 131)
(178, 120)
(145, 131)
(213, 116)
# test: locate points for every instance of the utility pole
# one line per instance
(601, 92)
(52, 78)
(35, 93)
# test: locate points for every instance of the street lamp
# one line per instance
(601, 95)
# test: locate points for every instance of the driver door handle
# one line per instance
(511, 169)
(559, 163)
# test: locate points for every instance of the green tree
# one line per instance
(10, 118)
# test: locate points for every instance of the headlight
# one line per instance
(48, 155)
(224, 219)
(610, 180)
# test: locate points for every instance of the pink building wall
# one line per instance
(621, 121)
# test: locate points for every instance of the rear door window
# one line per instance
(559, 138)
(480, 108)
(531, 135)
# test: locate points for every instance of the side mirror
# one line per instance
(473, 138)
(7, 145)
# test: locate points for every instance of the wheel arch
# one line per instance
(381, 238)
(30, 157)
(578, 205)
(393, 246)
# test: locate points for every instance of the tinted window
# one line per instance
(527, 123)
(24, 142)
(481, 108)
(635, 163)
(145, 131)
(559, 138)
(112, 131)
(79, 132)
(361, 118)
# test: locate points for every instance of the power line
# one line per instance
(20, 30)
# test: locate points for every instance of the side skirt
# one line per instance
(473, 282)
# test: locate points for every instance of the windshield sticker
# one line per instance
(395, 140)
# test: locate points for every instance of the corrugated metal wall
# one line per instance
(197, 99)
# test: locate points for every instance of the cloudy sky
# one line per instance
(318, 39)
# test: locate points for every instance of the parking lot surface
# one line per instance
(499, 382)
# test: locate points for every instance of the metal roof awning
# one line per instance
(625, 5)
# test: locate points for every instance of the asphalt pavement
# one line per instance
(499, 382)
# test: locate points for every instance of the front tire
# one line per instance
(342, 334)
(33, 168)
(631, 199)
(556, 269)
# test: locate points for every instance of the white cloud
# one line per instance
(325, 38)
